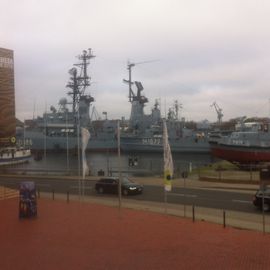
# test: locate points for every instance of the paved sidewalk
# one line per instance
(236, 219)
(80, 235)
(253, 221)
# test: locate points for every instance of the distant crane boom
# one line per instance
(219, 112)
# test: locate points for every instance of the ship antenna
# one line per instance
(79, 83)
(84, 78)
(178, 106)
(74, 86)
(130, 65)
(129, 81)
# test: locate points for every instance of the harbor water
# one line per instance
(137, 164)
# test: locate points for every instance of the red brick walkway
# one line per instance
(88, 236)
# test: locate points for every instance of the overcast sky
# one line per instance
(206, 51)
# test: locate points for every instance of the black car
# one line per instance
(258, 199)
(110, 185)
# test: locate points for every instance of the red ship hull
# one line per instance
(241, 154)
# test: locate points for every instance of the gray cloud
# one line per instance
(210, 50)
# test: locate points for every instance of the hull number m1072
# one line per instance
(152, 141)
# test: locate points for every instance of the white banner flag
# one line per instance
(168, 162)
(85, 138)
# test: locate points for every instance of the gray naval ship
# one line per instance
(144, 132)
(57, 130)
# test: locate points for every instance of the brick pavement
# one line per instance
(90, 236)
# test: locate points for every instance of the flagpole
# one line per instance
(83, 160)
(85, 136)
(45, 137)
(78, 151)
(119, 167)
(164, 157)
(67, 146)
(24, 134)
(165, 200)
(168, 165)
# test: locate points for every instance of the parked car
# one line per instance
(258, 199)
(110, 185)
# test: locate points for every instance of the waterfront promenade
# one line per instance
(253, 219)
(88, 235)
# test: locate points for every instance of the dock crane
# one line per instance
(219, 112)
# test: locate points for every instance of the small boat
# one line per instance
(13, 155)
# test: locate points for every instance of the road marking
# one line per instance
(184, 195)
(241, 201)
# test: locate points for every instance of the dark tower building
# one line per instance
(7, 98)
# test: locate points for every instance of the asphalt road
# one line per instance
(217, 199)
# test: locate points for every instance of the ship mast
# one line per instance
(73, 84)
(137, 100)
(85, 61)
(79, 83)
(132, 96)
(129, 81)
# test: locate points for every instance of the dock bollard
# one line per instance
(224, 219)
(193, 213)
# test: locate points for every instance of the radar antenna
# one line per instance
(139, 86)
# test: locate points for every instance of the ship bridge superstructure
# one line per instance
(137, 117)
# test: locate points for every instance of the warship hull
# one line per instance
(154, 145)
(241, 154)
(36, 141)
